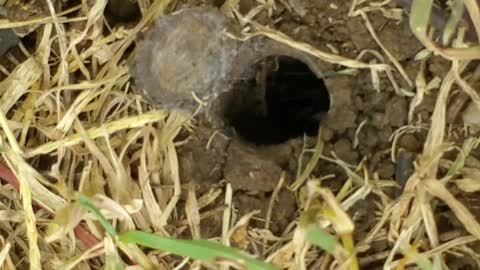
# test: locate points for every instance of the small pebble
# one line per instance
(410, 143)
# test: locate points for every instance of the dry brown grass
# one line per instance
(61, 136)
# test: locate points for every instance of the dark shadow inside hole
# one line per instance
(122, 11)
(283, 100)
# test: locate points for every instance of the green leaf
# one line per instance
(85, 203)
(419, 18)
(424, 264)
(322, 239)
(197, 249)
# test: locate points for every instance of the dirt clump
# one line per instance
(245, 170)
(396, 112)
(285, 209)
(200, 164)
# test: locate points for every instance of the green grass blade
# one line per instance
(424, 264)
(85, 203)
(322, 239)
(459, 162)
(419, 18)
(197, 249)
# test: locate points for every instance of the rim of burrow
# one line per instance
(252, 51)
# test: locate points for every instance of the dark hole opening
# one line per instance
(283, 100)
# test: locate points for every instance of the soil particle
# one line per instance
(284, 211)
(438, 66)
(358, 33)
(377, 119)
(343, 120)
(412, 69)
(280, 154)
(386, 170)
(327, 134)
(285, 208)
(396, 112)
(200, 165)
(300, 6)
(377, 159)
(367, 139)
(376, 100)
(246, 5)
(248, 171)
(344, 150)
(384, 137)
(363, 215)
(410, 143)
(248, 203)
(364, 151)
(358, 101)
(211, 226)
(428, 103)
(460, 262)
(342, 115)
(379, 245)
(310, 20)
(399, 40)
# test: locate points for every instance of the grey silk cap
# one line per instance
(187, 54)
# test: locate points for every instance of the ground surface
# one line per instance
(360, 131)
(254, 171)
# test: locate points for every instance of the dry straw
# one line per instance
(70, 122)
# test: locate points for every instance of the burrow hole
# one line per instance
(283, 99)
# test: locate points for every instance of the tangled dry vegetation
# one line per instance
(72, 124)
